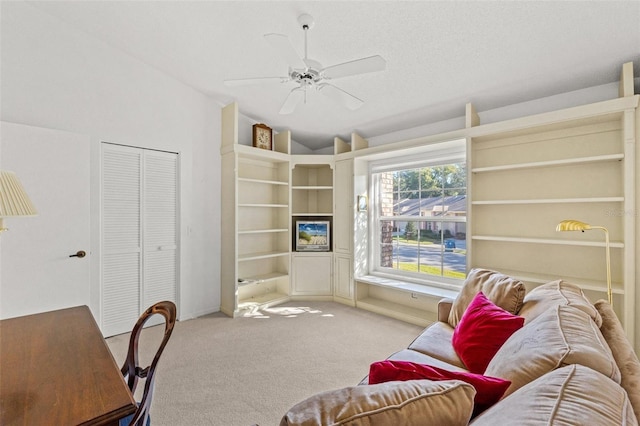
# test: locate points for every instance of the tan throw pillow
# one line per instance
(554, 293)
(414, 402)
(562, 335)
(502, 290)
(623, 353)
(573, 395)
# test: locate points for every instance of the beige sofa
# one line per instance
(570, 364)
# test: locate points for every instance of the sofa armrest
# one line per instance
(444, 307)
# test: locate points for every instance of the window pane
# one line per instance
(455, 178)
(432, 244)
(423, 247)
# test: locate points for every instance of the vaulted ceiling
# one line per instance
(440, 54)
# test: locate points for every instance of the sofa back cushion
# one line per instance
(572, 395)
(504, 291)
(557, 292)
(414, 402)
(560, 336)
(623, 353)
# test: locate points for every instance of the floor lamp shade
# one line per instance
(576, 225)
(14, 201)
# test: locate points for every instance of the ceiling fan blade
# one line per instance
(295, 96)
(247, 81)
(283, 46)
(359, 66)
(340, 96)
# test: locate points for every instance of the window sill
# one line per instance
(408, 287)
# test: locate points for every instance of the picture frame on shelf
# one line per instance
(362, 203)
(262, 136)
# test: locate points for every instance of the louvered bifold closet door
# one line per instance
(160, 220)
(121, 238)
(139, 233)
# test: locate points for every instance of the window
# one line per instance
(419, 209)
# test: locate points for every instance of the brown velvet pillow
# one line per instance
(504, 291)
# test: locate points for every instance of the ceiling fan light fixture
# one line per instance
(310, 73)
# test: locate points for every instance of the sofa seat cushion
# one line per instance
(557, 292)
(501, 289)
(562, 335)
(481, 332)
(414, 402)
(572, 395)
(435, 341)
(489, 390)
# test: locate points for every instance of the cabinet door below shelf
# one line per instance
(312, 274)
(342, 278)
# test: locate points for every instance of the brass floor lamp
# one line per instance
(576, 225)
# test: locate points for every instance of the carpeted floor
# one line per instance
(222, 371)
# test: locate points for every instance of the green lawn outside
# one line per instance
(431, 270)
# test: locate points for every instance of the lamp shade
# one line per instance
(13, 199)
(572, 225)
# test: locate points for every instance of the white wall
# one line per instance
(53, 76)
(536, 106)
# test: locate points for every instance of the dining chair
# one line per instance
(132, 371)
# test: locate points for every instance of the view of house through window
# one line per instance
(421, 220)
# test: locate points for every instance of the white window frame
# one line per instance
(436, 154)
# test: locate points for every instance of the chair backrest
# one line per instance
(131, 369)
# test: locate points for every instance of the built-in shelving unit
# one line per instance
(255, 211)
(347, 218)
(312, 199)
(312, 185)
(527, 177)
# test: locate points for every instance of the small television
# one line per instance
(312, 235)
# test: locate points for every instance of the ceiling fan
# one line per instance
(308, 73)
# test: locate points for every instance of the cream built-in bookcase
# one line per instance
(312, 199)
(525, 175)
(529, 174)
(255, 233)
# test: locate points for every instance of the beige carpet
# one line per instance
(222, 371)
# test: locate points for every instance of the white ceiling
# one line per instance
(440, 54)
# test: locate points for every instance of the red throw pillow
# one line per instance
(489, 390)
(482, 330)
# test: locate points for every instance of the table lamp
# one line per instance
(576, 225)
(13, 199)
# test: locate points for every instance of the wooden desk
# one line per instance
(56, 369)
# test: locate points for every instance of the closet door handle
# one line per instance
(79, 254)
